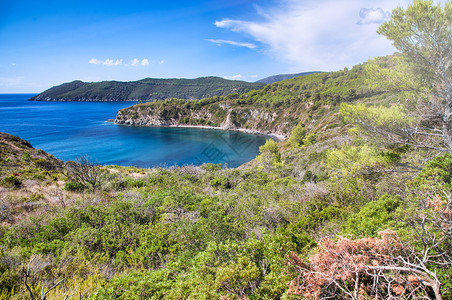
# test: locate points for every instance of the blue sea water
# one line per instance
(71, 129)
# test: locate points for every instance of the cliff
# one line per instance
(218, 115)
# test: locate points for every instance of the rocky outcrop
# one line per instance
(244, 119)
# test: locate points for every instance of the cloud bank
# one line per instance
(234, 77)
(318, 35)
(119, 62)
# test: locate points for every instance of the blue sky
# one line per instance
(45, 43)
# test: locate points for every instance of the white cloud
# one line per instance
(119, 62)
(107, 62)
(234, 77)
(161, 62)
(319, 35)
(373, 15)
(135, 62)
(145, 62)
(233, 43)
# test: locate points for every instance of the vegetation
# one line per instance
(276, 108)
(340, 210)
(148, 89)
(280, 77)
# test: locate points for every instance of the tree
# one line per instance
(423, 35)
(297, 136)
(38, 264)
(269, 154)
(85, 172)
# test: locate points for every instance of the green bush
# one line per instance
(11, 181)
(212, 167)
(74, 186)
(221, 182)
(26, 156)
(44, 164)
(373, 217)
(9, 282)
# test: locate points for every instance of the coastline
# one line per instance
(277, 137)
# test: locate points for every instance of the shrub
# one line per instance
(44, 164)
(11, 182)
(221, 182)
(73, 186)
(26, 156)
(374, 216)
(212, 167)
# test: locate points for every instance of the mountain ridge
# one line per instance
(147, 89)
(280, 77)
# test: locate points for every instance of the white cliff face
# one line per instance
(227, 124)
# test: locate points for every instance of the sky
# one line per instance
(46, 43)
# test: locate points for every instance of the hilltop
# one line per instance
(280, 77)
(147, 89)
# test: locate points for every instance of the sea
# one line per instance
(69, 130)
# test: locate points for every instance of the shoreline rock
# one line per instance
(275, 136)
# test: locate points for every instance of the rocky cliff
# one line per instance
(217, 115)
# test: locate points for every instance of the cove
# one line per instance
(71, 129)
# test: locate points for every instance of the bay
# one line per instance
(71, 129)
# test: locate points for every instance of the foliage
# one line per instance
(368, 267)
(373, 217)
(355, 159)
(297, 136)
(269, 154)
(146, 89)
(73, 186)
(221, 182)
(11, 181)
(423, 34)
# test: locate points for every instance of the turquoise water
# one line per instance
(71, 129)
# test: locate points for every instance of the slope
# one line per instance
(147, 89)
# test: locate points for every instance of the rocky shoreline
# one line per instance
(275, 136)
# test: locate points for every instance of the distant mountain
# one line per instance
(275, 78)
(146, 89)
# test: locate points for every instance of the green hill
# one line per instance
(275, 108)
(147, 89)
(280, 77)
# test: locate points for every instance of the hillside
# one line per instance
(147, 89)
(318, 213)
(355, 204)
(274, 109)
(280, 77)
